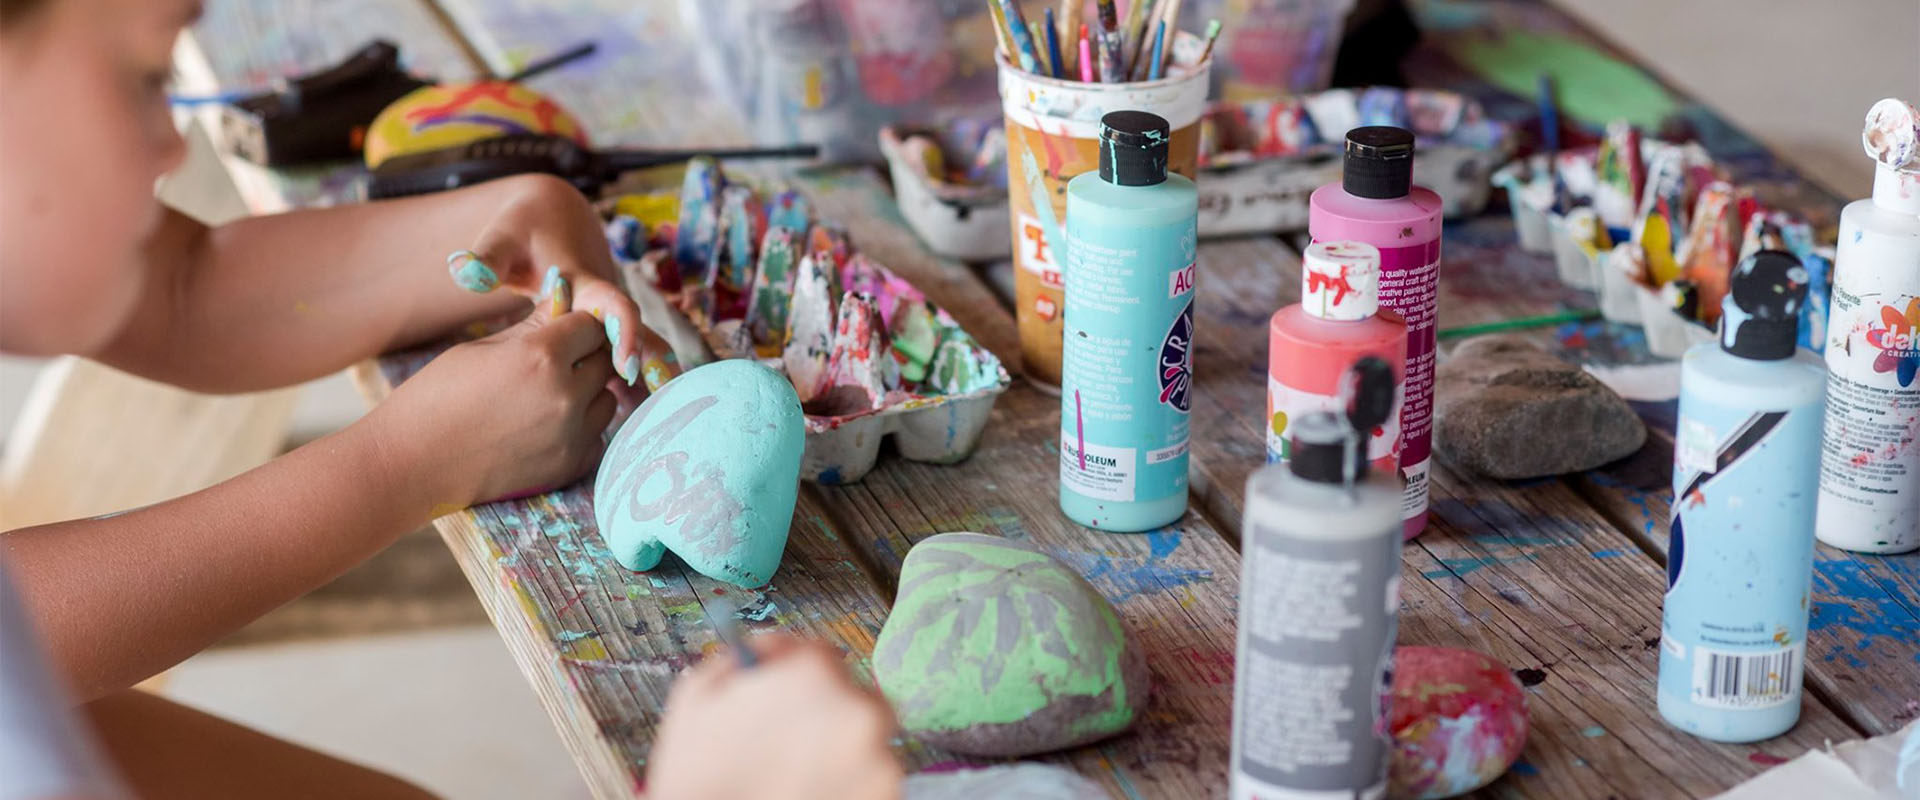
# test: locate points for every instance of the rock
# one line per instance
(1459, 719)
(708, 467)
(1507, 409)
(995, 648)
(1018, 781)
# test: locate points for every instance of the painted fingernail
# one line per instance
(658, 372)
(613, 335)
(630, 369)
(560, 297)
(470, 274)
(547, 282)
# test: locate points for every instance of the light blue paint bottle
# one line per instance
(1745, 479)
(1126, 388)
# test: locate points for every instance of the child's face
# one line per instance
(84, 133)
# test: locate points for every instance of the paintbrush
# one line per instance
(729, 634)
(1138, 13)
(1110, 43)
(1051, 29)
(1170, 14)
(1023, 43)
(1070, 12)
(1001, 40)
(1213, 33)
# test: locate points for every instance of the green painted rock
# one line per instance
(708, 467)
(994, 648)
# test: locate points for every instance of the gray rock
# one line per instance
(1505, 408)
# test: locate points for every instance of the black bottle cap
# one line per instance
(1133, 148)
(1379, 162)
(1323, 442)
(1760, 317)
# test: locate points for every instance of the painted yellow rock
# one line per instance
(436, 117)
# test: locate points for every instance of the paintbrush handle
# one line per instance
(623, 160)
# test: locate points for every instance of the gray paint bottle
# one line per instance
(1319, 603)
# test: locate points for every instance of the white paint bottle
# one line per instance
(1319, 606)
(1870, 451)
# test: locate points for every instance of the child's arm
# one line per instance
(270, 301)
(122, 597)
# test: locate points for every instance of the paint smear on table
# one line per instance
(1590, 85)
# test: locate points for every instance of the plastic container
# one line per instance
(962, 221)
(1053, 135)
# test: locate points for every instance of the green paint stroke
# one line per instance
(993, 635)
(1589, 84)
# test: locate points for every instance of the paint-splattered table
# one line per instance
(1562, 579)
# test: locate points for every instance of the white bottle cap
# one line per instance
(1340, 280)
(1892, 134)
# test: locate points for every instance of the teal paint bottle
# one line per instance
(1126, 388)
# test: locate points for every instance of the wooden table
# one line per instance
(1560, 578)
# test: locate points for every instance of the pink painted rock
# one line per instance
(1459, 720)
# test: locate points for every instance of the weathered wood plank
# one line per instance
(1546, 580)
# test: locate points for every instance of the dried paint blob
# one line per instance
(708, 467)
(1892, 134)
(994, 648)
(1459, 719)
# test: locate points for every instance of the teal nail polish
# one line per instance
(474, 276)
(630, 369)
(613, 334)
(552, 278)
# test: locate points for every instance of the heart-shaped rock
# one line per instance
(1459, 720)
(708, 467)
(994, 648)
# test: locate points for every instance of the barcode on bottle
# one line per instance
(1746, 680)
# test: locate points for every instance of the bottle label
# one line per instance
(1409, 285)
(1870, 458)
(1286, 404)
(1036, 253)
(1740, 560)
(1126, 388)
(1317, 620)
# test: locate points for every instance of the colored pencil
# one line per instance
(1024, 48)
(1159, 50)
(1086, 56)
(1520, 323)
(1213, 33)
(1054, 64)
(1070, 13)
(1036, 30)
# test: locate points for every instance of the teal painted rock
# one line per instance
(708, 467)
(994, 648)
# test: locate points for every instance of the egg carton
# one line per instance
(868, 354)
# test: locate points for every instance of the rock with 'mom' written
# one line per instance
(708, 467)
(994, 648)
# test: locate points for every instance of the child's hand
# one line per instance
(519, 410)
(812, 733)
(550, 235)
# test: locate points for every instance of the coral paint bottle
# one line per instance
(1312, 343)
(1377, 203)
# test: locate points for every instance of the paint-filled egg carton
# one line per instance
(869, 356)
(1260, 160)
(1653, 229)
(950, 183)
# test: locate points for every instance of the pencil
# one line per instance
(1022, 40)
(1086, 56)
(1539, 321)
(1054, 64)
(1213, 32)
(1159, 50)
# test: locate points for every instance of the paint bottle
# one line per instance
(1312, 343)
(1319, 604)
(1127, 358)
(1376, 202)
(1740, 561)
(1869, 462)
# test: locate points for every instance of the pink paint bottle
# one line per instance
(1377, 203)
(1314, 342)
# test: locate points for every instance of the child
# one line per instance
(91, 264)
